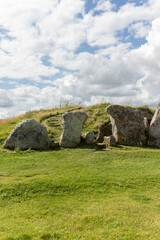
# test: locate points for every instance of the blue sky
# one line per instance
(81, 51)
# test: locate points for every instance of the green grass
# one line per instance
(78, 194)
(81, 193)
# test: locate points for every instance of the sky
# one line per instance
(85, 52)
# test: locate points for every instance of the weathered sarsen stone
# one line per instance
(28, 134)
(128, 125)
(72, 127)
(147, 114)
(154, 132)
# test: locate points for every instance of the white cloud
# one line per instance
(22, 99)
(116, 70)
(5, 100)
(139, 29)
(35, 29)
(104, 28)
(104, 5)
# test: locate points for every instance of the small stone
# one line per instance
(89, 137)
(110, 141)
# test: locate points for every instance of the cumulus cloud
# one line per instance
(104, 5)
(139, 29)
(25, 98)
(35, 29)
(42, 42)
(5, 100)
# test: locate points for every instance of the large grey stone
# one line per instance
(154, 132)
(128, 125)
(28, 134)
(72, 127)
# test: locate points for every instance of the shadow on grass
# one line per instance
(48, 236)
(22, 237)
(83, 145)
(95, 146)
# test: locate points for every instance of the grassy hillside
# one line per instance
(51, 118)
(78, 194)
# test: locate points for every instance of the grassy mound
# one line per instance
(51, 118)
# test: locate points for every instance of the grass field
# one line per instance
(78, 194)
(81, 193)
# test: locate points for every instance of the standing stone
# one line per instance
(154, 132)
(128, 125)
(72, 127)
(104, 129)
(89, 137)
(28, 134)
(110, 140)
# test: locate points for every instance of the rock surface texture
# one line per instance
(72, 127)
(89, 137)
(104, 129)
(110, 140)
(154, 132)
(128, 125)
(147, 114)
(28, 134)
